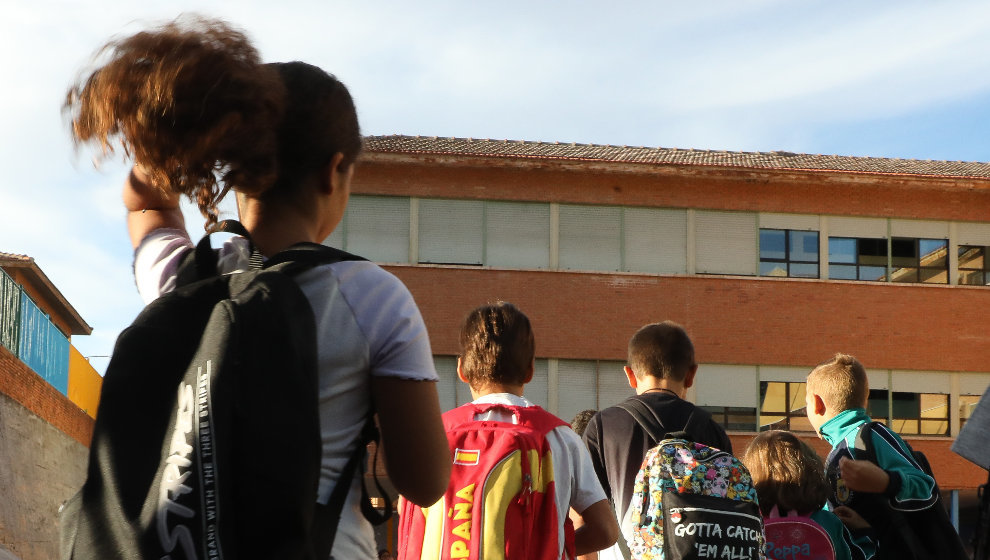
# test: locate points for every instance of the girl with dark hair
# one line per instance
(200, 115)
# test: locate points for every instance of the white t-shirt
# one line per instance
(571, 461)
(367, 325)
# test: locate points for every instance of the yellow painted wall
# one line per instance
(84, 382)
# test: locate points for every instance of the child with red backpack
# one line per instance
(517, 469)
(790, 482)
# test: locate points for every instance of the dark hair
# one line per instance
(786, 472)
(581, 419)
(320, 120)
(192, 103)
(662, 350)
(497, 345)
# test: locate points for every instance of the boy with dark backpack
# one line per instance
(518, 469)
(873, 471)
(236, 411)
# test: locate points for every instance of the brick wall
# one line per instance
(732, 320)
(27, 388)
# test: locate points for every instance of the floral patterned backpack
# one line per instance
(691, 501)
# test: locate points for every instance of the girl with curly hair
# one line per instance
(199, 113)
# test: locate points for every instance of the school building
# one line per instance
(773, 262)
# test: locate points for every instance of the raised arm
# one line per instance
(148, 208)
(417, 456)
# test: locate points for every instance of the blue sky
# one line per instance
(894, 79)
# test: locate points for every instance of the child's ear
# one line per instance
(529, 374)
(630, 377)
(819, 405)
(689, 377)
(460, 372)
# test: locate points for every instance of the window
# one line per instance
(913, 413)
(789, 253)
(590, 237)
(919, 260)
(967, 405)
(375, 227)
(920, 414)
(974, 268)
(782, 407)
(851, 258)
(734, 418)
(589, 384)
(450, 231)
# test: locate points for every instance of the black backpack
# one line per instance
(207, 439)
(926, 534)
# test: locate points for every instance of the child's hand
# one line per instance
(850, 518)
(863, 476)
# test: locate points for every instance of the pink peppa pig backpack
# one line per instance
(691, 501)
(796, 537)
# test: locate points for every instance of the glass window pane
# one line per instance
(934, 275)
(934, 427)
(878, 402)
(740, 419)
(903, 252)
(904, 275)
(804, 246)
(841, 250)
(842, 272)
(772, 422)
(796, 396)
(804, 270)
(971, 278)
(872, 252)
(778, 269)
(971, 257)
(773, 396)
(933, 252)
(873, 273)
(967, 404)
(934, 406)
(801, 424)
(772, 244)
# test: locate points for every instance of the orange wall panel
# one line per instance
(84, 383)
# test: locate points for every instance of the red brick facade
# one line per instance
(29, 389)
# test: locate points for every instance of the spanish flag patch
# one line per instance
(467, 457)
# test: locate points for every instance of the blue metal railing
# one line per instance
(30, 335)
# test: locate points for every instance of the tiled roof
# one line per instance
(672, 156)
(32, 271)
(11, 257)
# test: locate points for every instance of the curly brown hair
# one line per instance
(787, 473)
(191, 102)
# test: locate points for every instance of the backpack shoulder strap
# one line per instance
(326, 518)
(646, 417)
